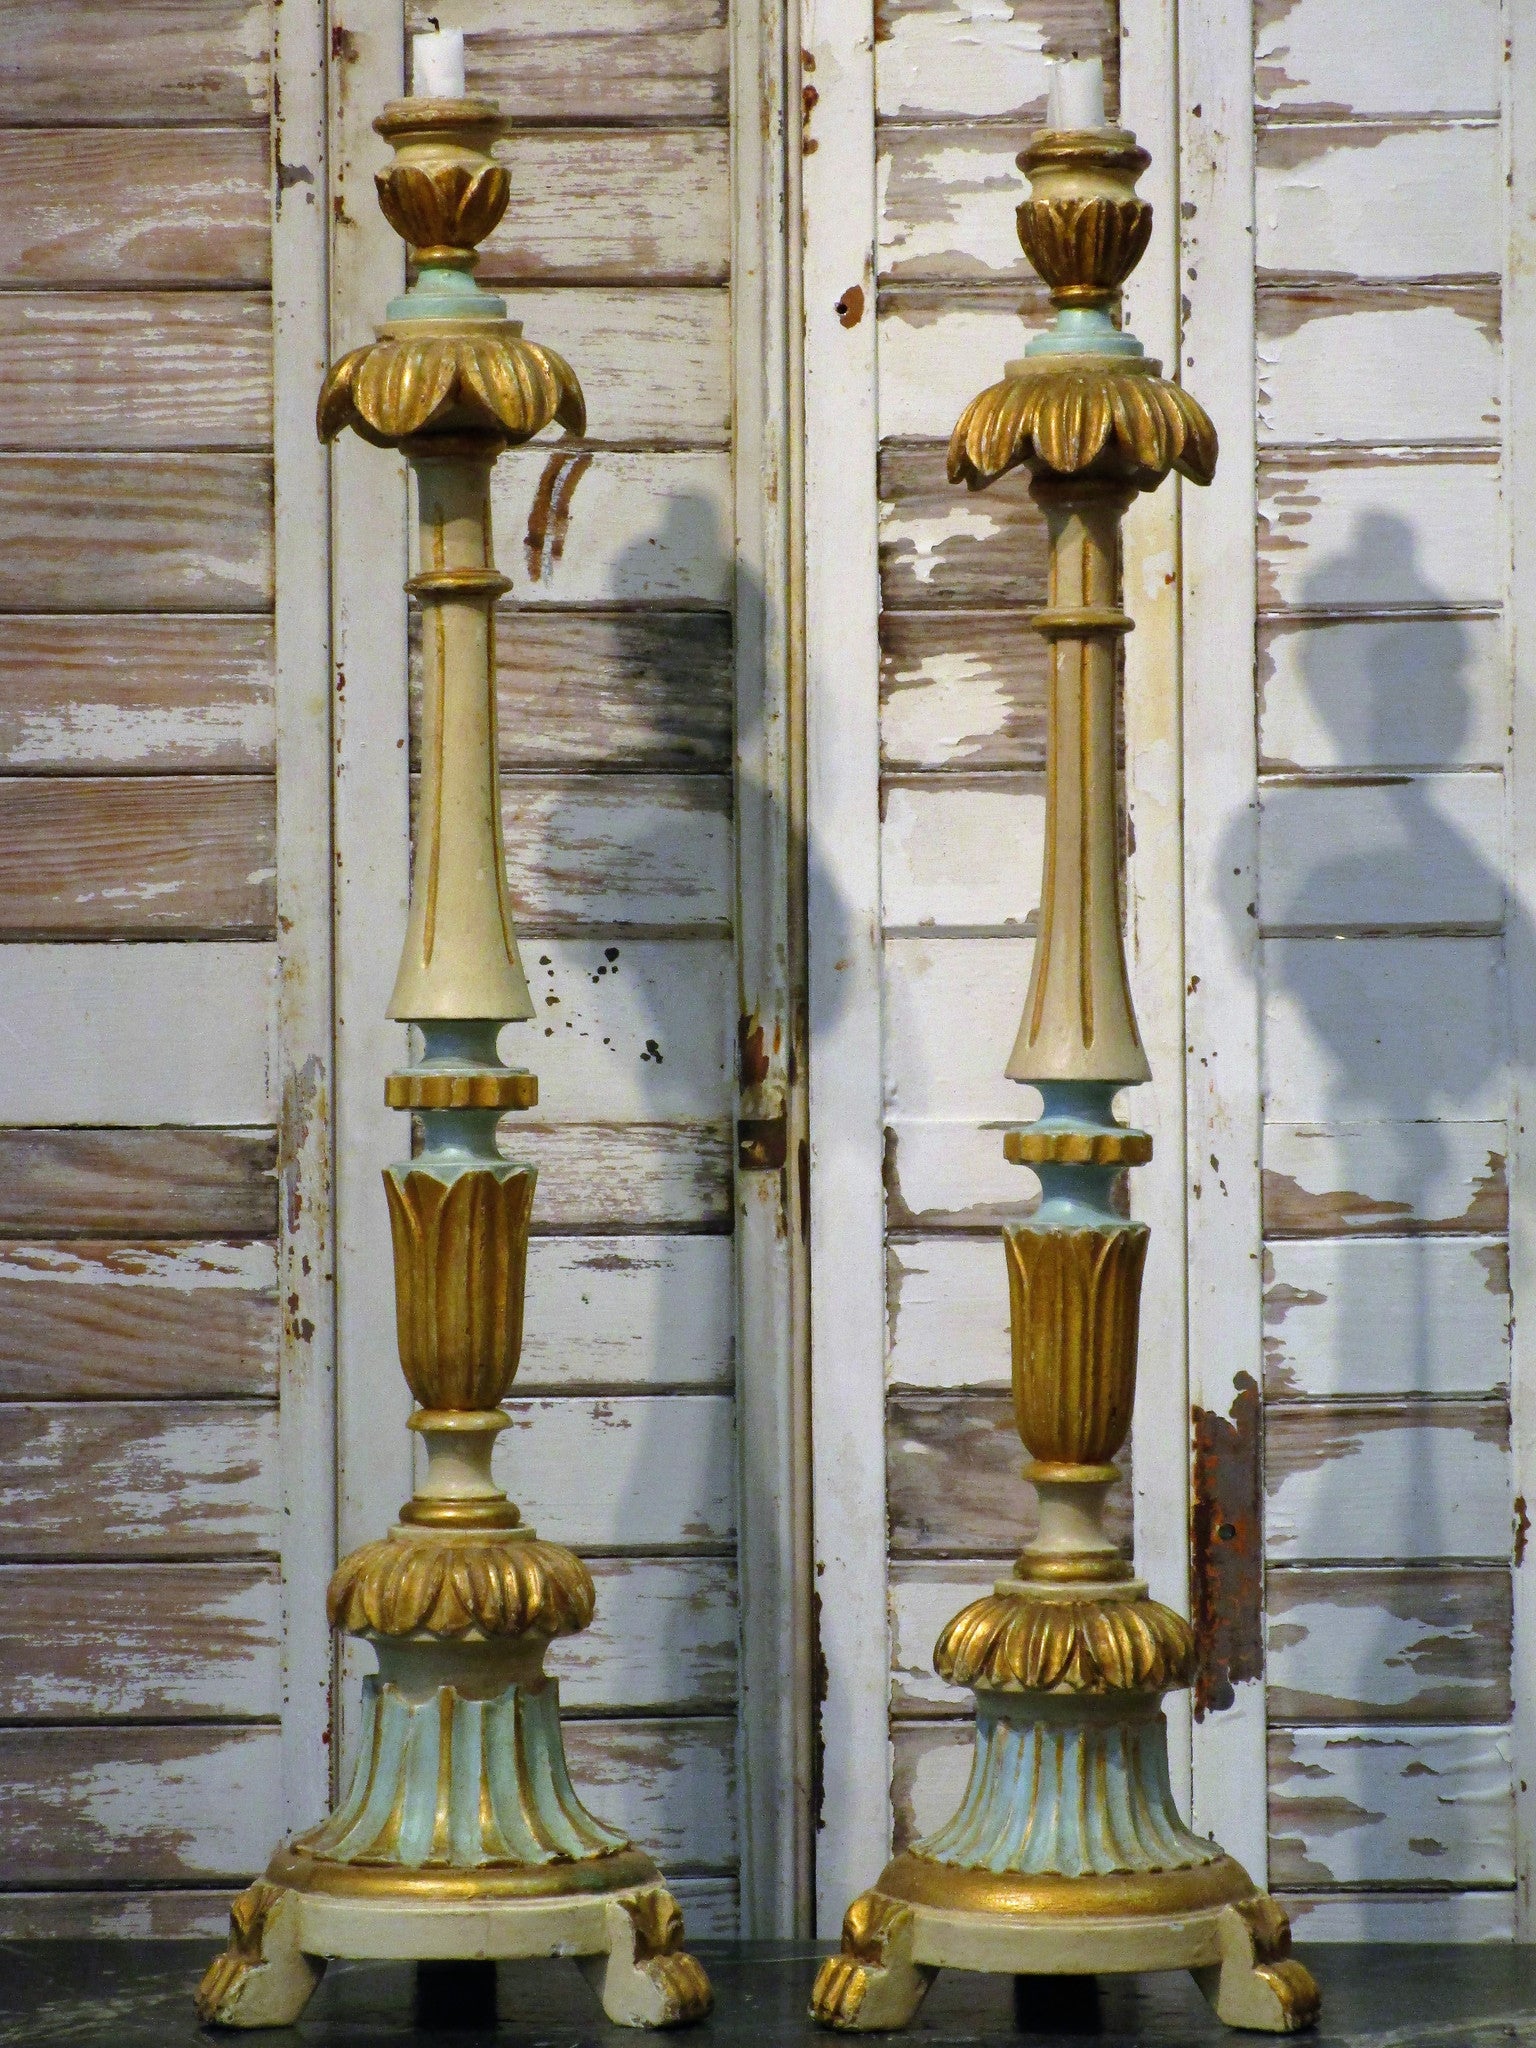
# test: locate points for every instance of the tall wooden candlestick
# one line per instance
(1067, 1854)
(461, 1835)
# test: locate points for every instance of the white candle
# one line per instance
(1076, 93)
(437, 65)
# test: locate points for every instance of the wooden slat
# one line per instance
(1414, 850)
(938, 348)
(1413, 1480)
(940, 546)
(1363, 535)
(625, 691)
(955, 1479)
(135, 533)
(949, 1173)
(1343, 364)
(618, 850)
(81, 1321)
(141, 1034)
(136, 370)
(158, 60)
(947, 197)
(933, 59)
(1363, 201)
(581, 527)
(670, 1785)
(664, 1639)
(129, 1184)
(138, 856)
(961, 690)
(135, 694)
(1385, 1179)
(947, 1313)
(930, 1762)
(621, 206)
(923, 1598)
(1382, 693)
(608, 60)
(1401, 1917)
(943, 994)
(627, 1176)
(1384, 1029)
(136, 1805)
(1393, 1644)
(962, 851)
(628, 1028)
(1365, 1318)
(140, 1642)
(142, 206)
(1316, 58)
(585, 1472)
(107, 1479)
(625, 1312)
(1361, 1805)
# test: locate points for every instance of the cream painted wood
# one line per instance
(843, 911)
(1314, 57)
(1396, 1917)
(936, 353)
(947, 1314)
(614, 526)
(1216, 200)
(587, 1472)
(618, 850)
(1413, 533)
(624, 1313)
(947, 59)
(961, 854)
(1349, 367)
(1385, 1178)
(948, 1173)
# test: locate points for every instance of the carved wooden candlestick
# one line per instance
(1067, 1854)
(461, 1835)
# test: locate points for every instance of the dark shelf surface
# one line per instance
(68, 1994)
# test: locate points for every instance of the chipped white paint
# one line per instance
(944, 199)
(617, 849)
(1321, 1179)
(945, 994)
(963, 854)
(942, 709)
(1400, 1918)
(681, 337)
(626, 1312)
(967, 59)
(1373, 534)
(623, 1470)
(1321, 57)
(186, 1268)
(926, 537)
(933, 360)
(1355, 373)
(664, 1637)
(948, 1172)
(924, 1599)
(1373, 202)
(585, 526)
(141, 1034)
(1346, 1646)
(947, 1313)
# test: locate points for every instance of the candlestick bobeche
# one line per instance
(461, 1835)
(1067, 1854)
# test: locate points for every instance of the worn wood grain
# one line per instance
(923, 1597)
(583, 527)
(1382, 851)
(670, 1785)
(626, 1313)
(1383, 693)
(614, 206)
(663, 1640)
(626, 1028)
(1405, 1481)
(939, 346)
(139, 206)
(158, 60)
(1385, 1179)
(1363, 1318)
(131, 1184)
(622, 691)
(135, 533)
(962, 851)
(127, 856)
(135, 693)
(140, 1642)
(627, 1176)
(136, 370)
(1345, 364)
(623, 1470)
(616, 850)
(955, 1482)
(941, 993)
(83, 1321)
(949, 1173)
(609, 60)
(947, 1313)
(1402, 1916)
(943, 547)
(1358, 200)
(1384, 1029)
(153, 1033)
(1363, 535)
(936, 58)
(1364, 1805)
(961, 690)
(110, 1479)
(1314, 58)
(1400, 1643)
(946, 197)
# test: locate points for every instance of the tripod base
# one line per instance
(627, 1937)
(925, 1916)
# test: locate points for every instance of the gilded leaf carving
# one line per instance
(452, 204)
(402, 1585)
(1084, 249)
(1074, 414)
(1074, 1301)
(461, 1253)
(1011, 1643)
(496, 383)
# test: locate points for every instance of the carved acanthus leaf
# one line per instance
(497, 384)
(1084, 248)
(1012, 1643)
(1071, 415)
(452, 204)
(448, 1586)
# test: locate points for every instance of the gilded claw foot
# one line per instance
(1258, 1983)
(647, 1978)
(874, 1983)
(262, 1978)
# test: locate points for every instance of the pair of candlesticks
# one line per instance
(461, 1835)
